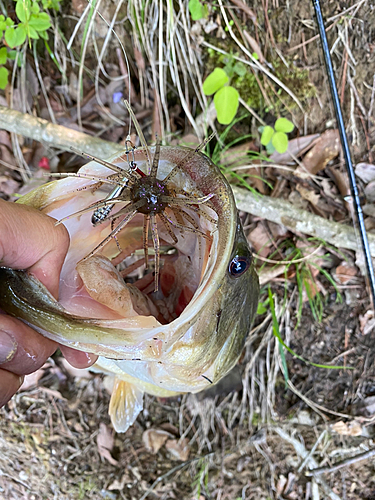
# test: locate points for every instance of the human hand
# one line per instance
(30, 240)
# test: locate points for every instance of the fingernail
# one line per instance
(8, 347)
(21, 380)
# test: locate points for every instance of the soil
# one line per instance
(256, 434)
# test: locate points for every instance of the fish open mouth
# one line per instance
(143, 239)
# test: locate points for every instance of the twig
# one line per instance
(275, 210)
(54, 135)
(282, 212)
(303, 453)
(343, 463)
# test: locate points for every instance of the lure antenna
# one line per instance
(345, 148)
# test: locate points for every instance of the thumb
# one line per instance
(30, 240)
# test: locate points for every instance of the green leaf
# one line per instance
(32, 32)
(226, 104)
(3, 55)
(197, 10)
(9, 22)
(23, 10)
(3, 77)
(261, 308)
(215, 80)
(240, 68)
(280, 142)
(40, 22)
(20, 34)
(43, 34)
(11, 37)
(35, 8)
(284, 125)
(266, 135)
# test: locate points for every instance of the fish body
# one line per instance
(180, 336)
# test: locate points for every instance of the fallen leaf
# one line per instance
(238, 155)
(246, 9)
(254, 46)
(119, 485)
(329, 189)
(178, 449)
(268, 273)
(326, 148)
(8, 185)
(366, 322)
(308, 194)
(280, 485)
(365, 171)
(260, 240)
(296, 147)
(105, 442)
(153, 439)
(345, 272)
(370, 192)
(341, 180)
(347, 428)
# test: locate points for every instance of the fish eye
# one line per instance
(239, 265)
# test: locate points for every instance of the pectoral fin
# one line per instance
(125, 405)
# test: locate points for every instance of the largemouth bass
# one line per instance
(164, 320)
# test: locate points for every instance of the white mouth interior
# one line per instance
(96, 291)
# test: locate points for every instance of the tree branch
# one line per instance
(275, 210)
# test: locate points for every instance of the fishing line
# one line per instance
(345, 148)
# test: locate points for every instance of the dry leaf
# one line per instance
(8, 185)
(280, 485)
(370, 192)
(345, 272)
(365, 171)
(105, 444)
(296, 147)
(366, 322)
(260, 240)
(254, 46)
(341, 180)
(154, 439)
(347, 428)
(246, 9)
(308, 195)
(325, 149)
(238, 155)
(269, 273)
(178, 448)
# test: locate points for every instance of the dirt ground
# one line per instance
(264, 427)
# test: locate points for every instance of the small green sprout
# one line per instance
(276, 138)
(226, 98)
(33, 24)
(197, 10)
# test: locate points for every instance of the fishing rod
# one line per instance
(345, 148)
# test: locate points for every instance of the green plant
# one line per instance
(276, 138)
(32, 23)
(282, 345)
(226, 98)
(197, 10)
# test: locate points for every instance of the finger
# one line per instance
(22, 349)
(10, 383)
(30, 239)
(78, 359)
